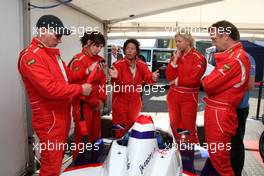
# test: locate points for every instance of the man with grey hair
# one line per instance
(113, 56)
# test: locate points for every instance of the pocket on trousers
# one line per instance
(53, 122)
(218, 117)
(44, 123)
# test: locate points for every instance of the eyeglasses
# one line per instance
(58, 36)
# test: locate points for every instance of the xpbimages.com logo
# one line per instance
(187, 30)
(124, 88)
(212, 147)
(58, 146)
(80, 30)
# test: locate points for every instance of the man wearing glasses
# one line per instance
(47, 82)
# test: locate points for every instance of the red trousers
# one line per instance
(125, 110)
(93, 124)
(52, 129)
(182, 108)
(220, 126)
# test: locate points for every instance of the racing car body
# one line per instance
(142, 152)
(141, 156)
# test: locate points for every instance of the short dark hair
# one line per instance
(95, 37)
(134, 41)
(229, 28)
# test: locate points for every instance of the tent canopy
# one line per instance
(116, 10)
(158, 18)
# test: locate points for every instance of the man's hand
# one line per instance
(100, 106)
(86, 89)
(113, 72)
(102, 65)
(91, 67)
(176, 55)
(155, 75)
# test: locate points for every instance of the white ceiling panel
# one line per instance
(118, 10)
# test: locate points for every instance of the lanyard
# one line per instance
(62, 68)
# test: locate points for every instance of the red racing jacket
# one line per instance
(46, 78)
(127, 84)
(187, 73)
(227, 83)
(80, 63)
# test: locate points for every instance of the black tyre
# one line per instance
(261, 146)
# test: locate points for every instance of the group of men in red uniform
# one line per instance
(53, 88)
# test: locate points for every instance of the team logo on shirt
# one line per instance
(31, 61)
(230, 51)
(77, 68)
(226, 67)
(40, 45)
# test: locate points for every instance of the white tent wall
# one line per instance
(71, 18)
(13, 135)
